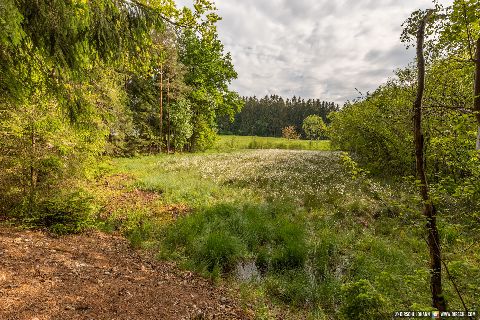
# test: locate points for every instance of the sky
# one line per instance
(324, 49)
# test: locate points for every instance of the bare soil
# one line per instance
(99, 276)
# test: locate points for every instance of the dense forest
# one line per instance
(267, 117)
(90, 78)
(109, 118)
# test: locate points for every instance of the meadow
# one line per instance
(233, 142)
(302, 234)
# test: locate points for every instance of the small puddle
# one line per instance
(247, 271)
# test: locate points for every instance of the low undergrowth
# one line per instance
(321, 239)
(219, 237)
(63, 213)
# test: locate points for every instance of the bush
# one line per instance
(203, 137)
(377, 131)
(361, 301)
(62, 214)
(290, 133)
(314, 127)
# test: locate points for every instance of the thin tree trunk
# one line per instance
(429, 209)
(33, 175)
(168, 115)
(478, 140)
(161, 107)
(476, 103)
(33, 171)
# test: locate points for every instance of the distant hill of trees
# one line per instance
(267, 116)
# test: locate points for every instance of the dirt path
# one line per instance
(98, 276)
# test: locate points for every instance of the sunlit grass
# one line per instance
(308, 223)
(232, 142)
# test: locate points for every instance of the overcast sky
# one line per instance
(314, 48)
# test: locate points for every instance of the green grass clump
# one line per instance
(292, 254)
(294, 288)
(144, 233)
(218, 252)
(215, 239)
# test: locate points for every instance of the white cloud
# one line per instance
(314, 48)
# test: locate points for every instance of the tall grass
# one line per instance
(328, 241)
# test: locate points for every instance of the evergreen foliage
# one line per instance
(267, 117)
(85, 78)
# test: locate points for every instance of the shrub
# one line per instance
(290, 133)
(361, 301)
(314, 127)
(377, 131)
(61, 214)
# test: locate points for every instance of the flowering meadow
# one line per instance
(319, 238)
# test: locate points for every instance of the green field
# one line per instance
(231, 142)
(323, 241)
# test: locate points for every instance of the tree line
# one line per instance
(80, 79)
(268, 116)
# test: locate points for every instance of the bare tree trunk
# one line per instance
(168, 115)
(429, 210)
(476, 103)
(478, 139)
(161, 107)
(33, 171)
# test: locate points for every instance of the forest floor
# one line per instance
(99, 276)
